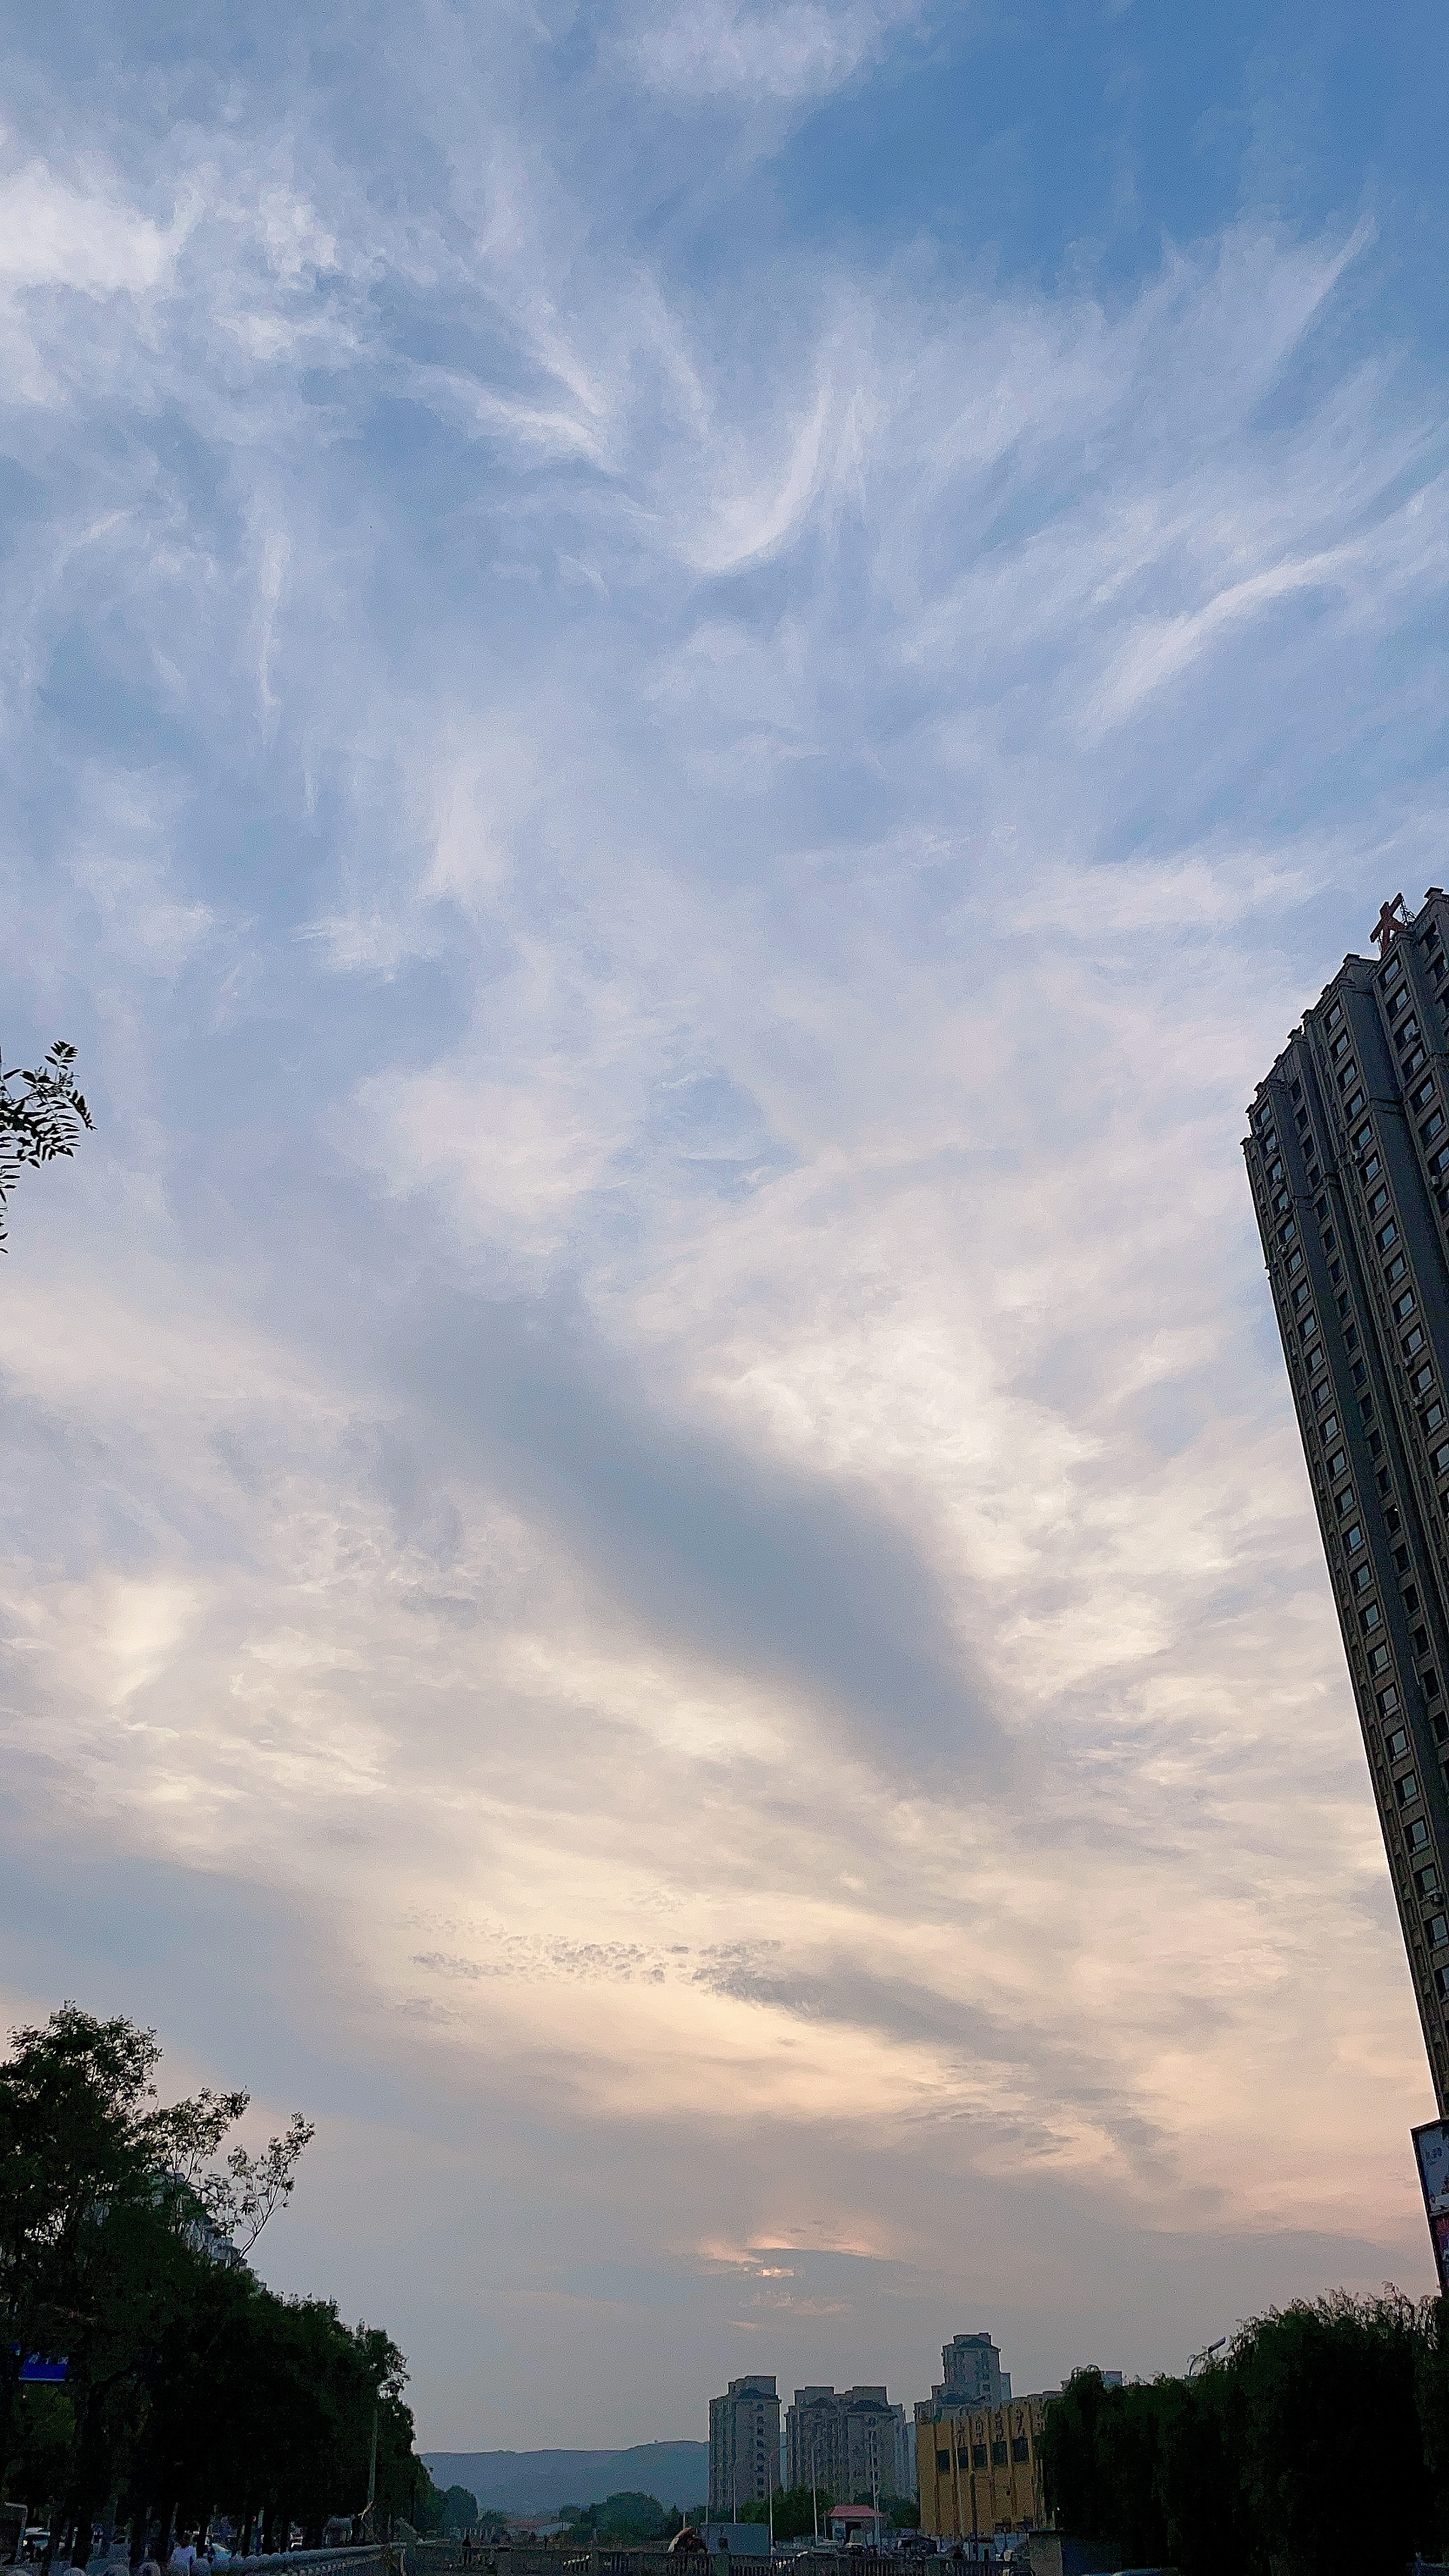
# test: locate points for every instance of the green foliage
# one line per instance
(190, 2385)
(460, 2509)
(794, 2512)
(905, 2513)
(41, 1117)
(627, 2516)
(1321, 2441)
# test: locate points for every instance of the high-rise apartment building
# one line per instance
(971, 2371)
(1348, 1157)
(744, 2444)
(851, 2442)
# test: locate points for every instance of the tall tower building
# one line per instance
(973, 2372)
(744, 2444)
(1348, 1157)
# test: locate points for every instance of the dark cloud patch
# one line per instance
(766, 1570)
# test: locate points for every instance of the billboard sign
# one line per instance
(1431, 2150)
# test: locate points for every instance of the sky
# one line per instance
(689, 692)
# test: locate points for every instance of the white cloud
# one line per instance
(736, 48)
(55, 235)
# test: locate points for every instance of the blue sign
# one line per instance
(37, 2366)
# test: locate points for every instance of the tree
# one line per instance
(795, 2510)
(1334, 2464)
(628, 2515)
(113, 2239)
(41, 1117)
(1320, 2442)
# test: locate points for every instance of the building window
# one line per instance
(1372, 1169)
(1370, 1618)
(1379, 1659)
(1388, 1701)
(1427, 1881)
(1328, 1427)
(1352, 1538)
(1437, 1932)
(1019, 2449)
(1335, 1015)
(1378, 1202)
(1295, 1264)
(1354, 1105)
(1336, 1465)
(1416, 1835)
(943, 2464)
(1404, 1306)
(1435, 1414)
(1398, 1001)
(978, 2455)
(1398, 1744)
(1339, 1047)
(1387, 1234)
(1424, 1094)
(1409, 1031)
(1413, 1341)
(1432, 1126)
(1407, 1790)
(998, 2449)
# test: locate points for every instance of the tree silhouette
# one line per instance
(41, 1117)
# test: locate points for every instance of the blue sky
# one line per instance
(688, 695)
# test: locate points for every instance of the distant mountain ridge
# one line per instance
(538, 2481)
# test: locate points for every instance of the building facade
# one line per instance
(971, 2370)
(744, 2444)
(980, 2467)
(849, 2442)
(1348, 1160)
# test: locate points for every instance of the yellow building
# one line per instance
(980, 2467)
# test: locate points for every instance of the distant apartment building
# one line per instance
(744, 2444)
(972, 2372)
(849, 2442)
(980, 2466)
